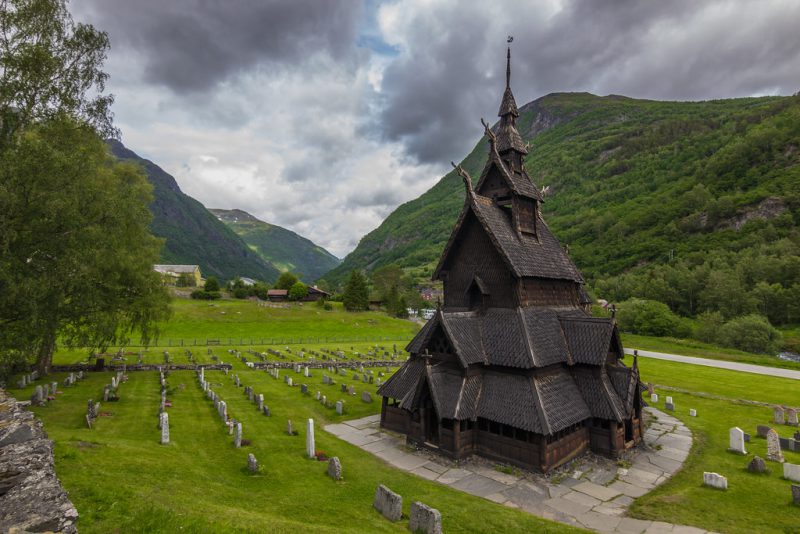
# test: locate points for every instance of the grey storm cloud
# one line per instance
(453, 69)
(192, 45)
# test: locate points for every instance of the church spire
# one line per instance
(508, 137)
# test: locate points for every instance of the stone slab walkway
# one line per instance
(596, 499)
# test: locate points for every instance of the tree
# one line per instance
(298, 291)
(751, 333)
(356, 293)
(286, 280)
(76, 253)
(212, 284)
(49, 65)
(647, 317)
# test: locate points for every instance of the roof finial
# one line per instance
(464, 176)
(508, 61)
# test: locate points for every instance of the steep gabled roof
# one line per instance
(588, 338)
(561, 400)
(512, 400)
(404, 380)
(601, 397)
(518, 181)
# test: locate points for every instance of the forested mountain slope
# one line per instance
(193, 235)
(283, 248)
(632, 183)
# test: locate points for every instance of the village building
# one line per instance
(315, 293)
(512, 366)
(277, 295)
(171, 274)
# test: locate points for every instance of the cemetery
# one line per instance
(271, 479)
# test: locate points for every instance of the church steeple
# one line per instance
(509, 143)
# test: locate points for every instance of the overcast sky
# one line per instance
(323, 116)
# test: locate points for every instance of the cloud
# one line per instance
(193, 45)
(451, 71)
(324, 116)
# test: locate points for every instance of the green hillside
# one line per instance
(632, 183)
(192, 234)
(282, 248)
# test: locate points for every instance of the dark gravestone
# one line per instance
(762, 430)
(746, 438)
(100, 364)
(757, 465)
(786, 444)
(795, 494)
(797, 436)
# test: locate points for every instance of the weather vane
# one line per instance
(510, 39)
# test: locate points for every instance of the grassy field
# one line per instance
(122, 480)
(691, 347)
(753, 503)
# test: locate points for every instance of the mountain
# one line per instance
(194, 235)
(632, 182)
(282, 248)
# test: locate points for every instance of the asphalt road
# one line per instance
(721, 364)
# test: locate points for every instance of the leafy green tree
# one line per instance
(356, 292)
(298, 291)
(76, 253)
(751, 333)
(647, 317)
(212, 284)
(50, 66)
(286, 280)
(260, 290)
(709, 325)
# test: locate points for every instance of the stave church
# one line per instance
(513, 366)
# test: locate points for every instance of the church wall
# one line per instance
(475, 254)
(547, 292)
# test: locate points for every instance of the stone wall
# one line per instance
(140, 367)
(31, 496)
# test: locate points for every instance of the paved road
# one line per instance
(722, 364)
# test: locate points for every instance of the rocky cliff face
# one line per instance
(31, 496)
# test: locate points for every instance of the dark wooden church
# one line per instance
(513, 367)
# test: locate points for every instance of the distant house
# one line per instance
(171, 273)
(277, 295)
(315, 293)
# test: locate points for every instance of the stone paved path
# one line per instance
(596, 501)
(721, 364)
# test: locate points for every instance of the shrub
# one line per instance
(298, 291)
(212, 284)
(241, 292)
(751, 333)
(202, 294)
(648, 317)
(708, 328)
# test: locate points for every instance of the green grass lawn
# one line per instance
(753, 503)
(691, 347)
(122, 480)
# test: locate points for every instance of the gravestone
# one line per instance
(762, 431)
(791, 472)
(223, 410)
(651, 389)
(778, 415)
(757, 465)
(237, 435)
(736, 441)
(774, 453)
(668, 400)
(260, 402)
(424, 519)
(692, 412)
(388, 503)
(795, 495)
(791, 416)
(318, 395)
(305, 372)
(289, 429)
(352, 390)
(90, 411)
(335, 468)
(252, 463)
(344, 388)
(787, 444)
(715, 480)
(339, 407)
(746, 437)
(797, 436)
(324, 400)
(303, 388)
(669, 406)
(366, 397)
(164, 428)
(38, 396)
(265, 410)
(290, 382)
(310, 447)
(53, 388)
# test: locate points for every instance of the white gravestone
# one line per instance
(654, 398)
(164, 428)
(791, 472)
(237, 436)
(736, 443)
(715, 480)
(310, 447)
